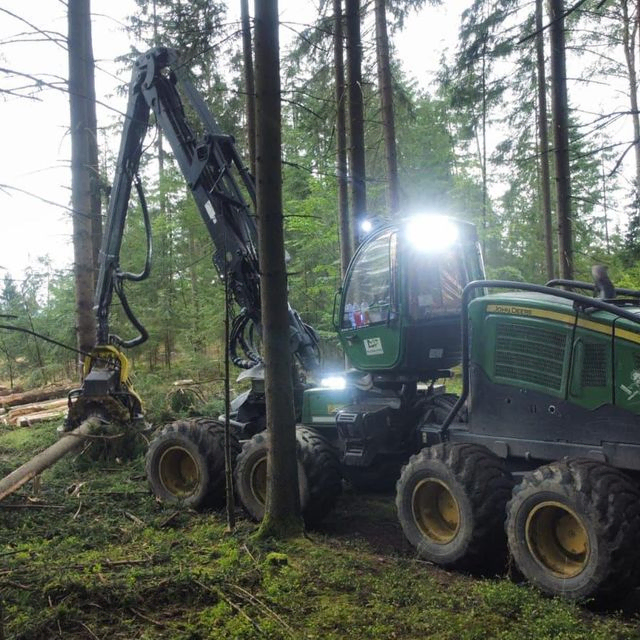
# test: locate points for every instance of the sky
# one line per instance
(34, 133)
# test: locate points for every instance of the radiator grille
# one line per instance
(530, 354)
(594, 370)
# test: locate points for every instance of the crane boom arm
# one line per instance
(219, 182)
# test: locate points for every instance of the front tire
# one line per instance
(185, 463)
(318, 475)
(451, 503)
(573, 529)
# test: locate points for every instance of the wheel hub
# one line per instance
(436, 511)
(179, 472)
(557, 539)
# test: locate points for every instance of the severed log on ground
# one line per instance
(39, 416)
(47, 458)
(36, 407)
(35, 395)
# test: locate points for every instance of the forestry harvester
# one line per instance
(544, 440)
(401, 323)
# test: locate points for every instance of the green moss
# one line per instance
(106, 556)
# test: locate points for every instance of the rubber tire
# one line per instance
(201, 440)
(319, 475)
(439, 407)
(481, 486)
(608, 504)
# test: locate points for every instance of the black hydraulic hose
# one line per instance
(237, 338)
(578, 299)
(120, 276)
(144, 334)
(144, 274)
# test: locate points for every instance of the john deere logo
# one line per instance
(516, 311)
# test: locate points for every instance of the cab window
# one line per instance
(434, 283)
(369, 292)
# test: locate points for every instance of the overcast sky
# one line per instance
(35, 145)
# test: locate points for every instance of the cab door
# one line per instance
(368, 324)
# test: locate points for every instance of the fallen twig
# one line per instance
(147, 618)
(120, 563)
(31, 506)
(232, 604)
(93, 635)
(263, 606)
(249, 553)
(167, 521)
(17, 585)
(135, 519)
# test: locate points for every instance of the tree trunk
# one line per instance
(543, 138)
(346, 248)
(249, 83)
(386, 103)
(560, 110)
(79, 23)
(282, 513)
(356, 118)
(93, 159)
(629, 34)
(485, 180)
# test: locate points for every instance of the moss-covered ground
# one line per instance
(88, 553)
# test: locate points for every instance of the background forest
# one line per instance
(469, 146)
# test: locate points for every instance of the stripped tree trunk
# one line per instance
(560, 110)
(386, 102)
(543, 137)
(249, 83)
(346, 247)
(356, 118)
(282, 516)
(79, 21)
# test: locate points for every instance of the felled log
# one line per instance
(34, 395)
(46, 458)
(41, 416)
(36, 407)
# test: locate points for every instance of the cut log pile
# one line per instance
(36, 405)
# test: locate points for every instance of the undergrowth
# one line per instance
(88, 553)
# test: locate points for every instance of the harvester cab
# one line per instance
(398, 317)
(400, 306)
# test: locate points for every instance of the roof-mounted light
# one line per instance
(431, 232)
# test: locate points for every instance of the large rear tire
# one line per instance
(451, 505)
(185, 463)
(573, 529)
(318, 475)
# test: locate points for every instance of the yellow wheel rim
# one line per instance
(557, 539)
(258, 480)
(436, 511)
(179, 473)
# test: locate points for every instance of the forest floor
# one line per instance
(88, 553)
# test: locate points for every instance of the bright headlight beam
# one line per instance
(431, 232)
(334, 382)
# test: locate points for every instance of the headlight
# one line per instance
(431, 232)
(334, 382)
